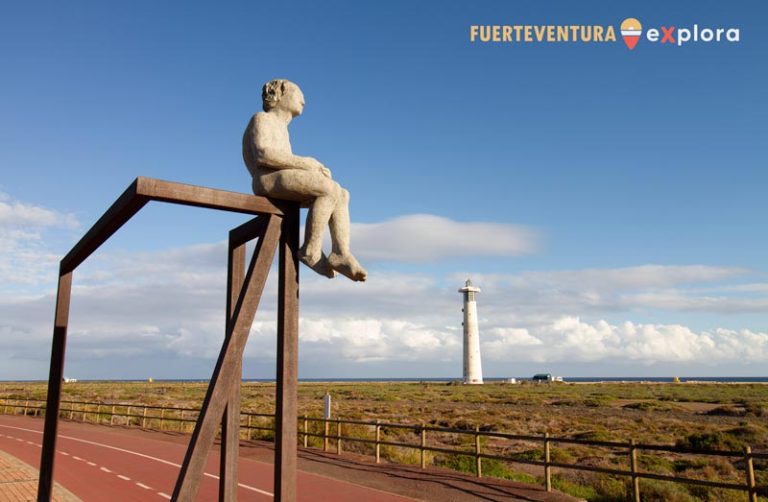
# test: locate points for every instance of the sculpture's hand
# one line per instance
(313, 164)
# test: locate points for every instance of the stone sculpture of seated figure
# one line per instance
(280, 174)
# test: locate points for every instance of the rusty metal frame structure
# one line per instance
(276, 226)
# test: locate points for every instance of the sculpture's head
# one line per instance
(282, 94)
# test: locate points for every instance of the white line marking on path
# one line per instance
(142, 485)
(64, 453)
(124, 478)
(164, 495)
(91, 464)
(104, 469)
(77, 458)
(241, 485)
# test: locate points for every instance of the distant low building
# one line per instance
(546, 377)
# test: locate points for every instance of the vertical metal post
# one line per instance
(378, 441)
(633, 471)
(750, 468)
(56, 373)
(287, 357)
(478, 458)
(230, 422)
(547, 467)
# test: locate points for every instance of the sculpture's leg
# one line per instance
(317, 218)
(339, 225)
(45, 483)
(287, 359)
(341, 259)
(226, 373)
(230, 424)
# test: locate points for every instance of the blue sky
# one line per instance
(601, 184)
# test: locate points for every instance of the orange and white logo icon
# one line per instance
(631, 29)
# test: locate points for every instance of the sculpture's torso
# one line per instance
(274, 135)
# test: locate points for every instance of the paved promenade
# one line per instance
(18, 482)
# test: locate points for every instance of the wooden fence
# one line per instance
(329, 432)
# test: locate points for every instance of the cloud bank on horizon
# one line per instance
(167, 319)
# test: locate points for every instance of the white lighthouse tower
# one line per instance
(473, 370)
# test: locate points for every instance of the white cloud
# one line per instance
(27, 258)
(675, 288)
(18, 214)
(571, 339)
(133, 310)
(425, 237)
(644, 276)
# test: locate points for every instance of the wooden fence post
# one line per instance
(478, 458)
(144, 419)
(423, 444)
(633, 471)
(162, 418)
(750, 467)
(306, 430)
(112, 416)
(26, 403)
(325, 436)
(378, 441)
(129, 417)
(71, 410)
(250, 431)
(98, 414)
(85, 409)
(547, 467)
(338, 437)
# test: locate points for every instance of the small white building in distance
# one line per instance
(473, 370)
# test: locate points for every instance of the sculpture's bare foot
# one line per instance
(319, 264)
(347, 265)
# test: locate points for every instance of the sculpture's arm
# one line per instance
(277, 159)
(275, 156)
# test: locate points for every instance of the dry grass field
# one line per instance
(697, 415)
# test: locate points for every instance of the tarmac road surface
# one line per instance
(116, 464)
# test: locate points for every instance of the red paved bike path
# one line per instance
(97, 464)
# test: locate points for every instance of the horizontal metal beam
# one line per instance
(192, 195)
(143, 190)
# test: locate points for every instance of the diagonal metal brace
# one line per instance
(225, 374)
